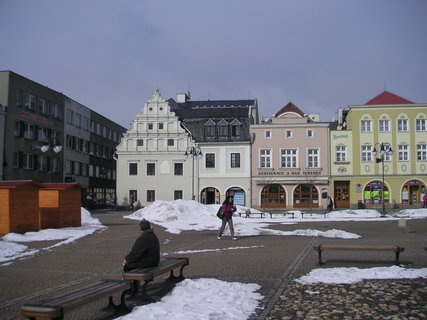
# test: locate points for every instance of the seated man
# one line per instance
(146, 250)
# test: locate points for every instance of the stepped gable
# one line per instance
(388, 98)
(289, 108)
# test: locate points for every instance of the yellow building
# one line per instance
(379, 154)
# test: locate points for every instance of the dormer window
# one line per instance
(235, 128)
(223, 129)
(210, 129)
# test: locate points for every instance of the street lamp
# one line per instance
(385, 149)
(194, 153)
(45, 147)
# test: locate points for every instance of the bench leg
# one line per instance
(397, 258)
(122, 306)
(319, 257)
(174, 278)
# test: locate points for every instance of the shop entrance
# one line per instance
(210, 195)
(413, 192)
(273, 196)
(342, 194)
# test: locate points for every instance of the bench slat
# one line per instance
(147, 274)
(55, 307)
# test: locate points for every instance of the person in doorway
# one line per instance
(145, 251)
(228, 208)
(425, 201)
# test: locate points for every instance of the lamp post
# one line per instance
(194, 153)
(385, 149)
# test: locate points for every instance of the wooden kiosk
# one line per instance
(19, 206)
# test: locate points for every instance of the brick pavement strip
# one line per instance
(272, 262)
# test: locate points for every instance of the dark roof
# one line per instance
(290, 107)
(388, 98)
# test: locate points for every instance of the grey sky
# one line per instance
(111, 55)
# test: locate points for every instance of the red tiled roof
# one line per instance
(290, 107)
(388, 98)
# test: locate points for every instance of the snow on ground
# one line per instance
(10, 250)
(194, 299)
(211, 298)
(350, 275)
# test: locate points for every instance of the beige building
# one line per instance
(290, 161)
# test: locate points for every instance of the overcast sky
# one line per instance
(110, 55)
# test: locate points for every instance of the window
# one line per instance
(265, 158)
(29, 101)
(44, 107)
(289, 158)
(403, 152)
(384, 125)
(235, 160)
(43, 135)
(133, 196)
(151, 195)
(171, 142)
(17, 129)
(421, 152)
(210, 160)
(160, 126)
(366, 153)
(69, 116)
(18, 98)
(133, 169)
(150, 126)
(28, 161)
(222, 130)
(76, 169)
(140, 142)
(341, 154)
(42, 163)
(29, 131)
(151, 169)
(402, 125)
(268, 134)
(288, 134)
(313, 158)
(421, 124)
(365, 126)
(310, 133)
(210, 131)
(178, 169)
(177, 194)
(235, 128)
(56, 111)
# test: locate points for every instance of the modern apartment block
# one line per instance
(49, 137)
(290, 161)
(379, 153)
(187, 149)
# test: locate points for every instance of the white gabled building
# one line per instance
(150, 158)
(151, 162)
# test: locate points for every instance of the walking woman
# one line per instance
(228, 208)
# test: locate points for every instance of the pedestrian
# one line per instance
(425, 201)
(228, 208)
(330, 206)
(145, 251)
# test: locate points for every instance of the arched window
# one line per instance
(306, 196)
(273, 195)
(373, 193)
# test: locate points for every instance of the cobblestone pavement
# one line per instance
(378, 299)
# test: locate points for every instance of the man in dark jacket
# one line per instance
(146, 250)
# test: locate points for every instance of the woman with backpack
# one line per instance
(228, 209)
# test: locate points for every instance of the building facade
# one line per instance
(53, 138)
(379, 153)
(187, 149)
(290, 161)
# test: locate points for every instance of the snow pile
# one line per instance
(202, 299)
(184, 215)
(350, 275)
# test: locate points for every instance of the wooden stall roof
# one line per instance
(12, 184)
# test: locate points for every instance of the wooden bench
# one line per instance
(248, 214)
(57, 306)
(284, 213)
(148, 274)
(311, 213)
(321, 248)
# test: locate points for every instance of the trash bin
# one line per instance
(360, 205)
